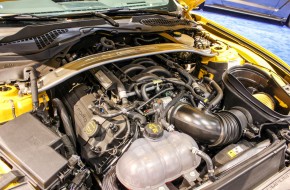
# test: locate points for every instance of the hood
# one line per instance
(190, 4)
(185, 6)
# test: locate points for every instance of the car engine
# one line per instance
(158, 110)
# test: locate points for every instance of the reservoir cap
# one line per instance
(153, 131)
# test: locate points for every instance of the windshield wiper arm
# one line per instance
(126, 10)
(96, 14)
(33, 17)
(26, 16)
(107, 18)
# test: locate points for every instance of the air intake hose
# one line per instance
(216, 129)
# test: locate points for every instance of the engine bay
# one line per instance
(175, 109)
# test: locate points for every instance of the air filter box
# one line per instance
(242, 82)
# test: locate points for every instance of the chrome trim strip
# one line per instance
(243, 2)
(247, 12)
(86, 63)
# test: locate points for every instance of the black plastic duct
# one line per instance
(213, 129)
(241, 82)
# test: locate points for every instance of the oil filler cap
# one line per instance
(92, 128)
(153, 131)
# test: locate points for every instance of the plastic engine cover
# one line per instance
(149, 164)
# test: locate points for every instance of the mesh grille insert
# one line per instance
(41, 41)
(164, 22)
(46, 39)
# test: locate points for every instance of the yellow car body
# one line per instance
(235, 50)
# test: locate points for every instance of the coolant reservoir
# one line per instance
(13, 104)
(150, 163)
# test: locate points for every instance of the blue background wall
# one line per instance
(272, 35)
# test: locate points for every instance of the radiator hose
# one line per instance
(216, 129)
(67, 124)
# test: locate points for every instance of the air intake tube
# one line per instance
(215, 129)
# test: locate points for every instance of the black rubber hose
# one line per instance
(186, 75)
(67, 124)
(132, 69)
(107, 43)
(34, 88)
(111, 115)
(70, 150)
(173, 102)
(285, 133)
(136, 116)
(173, 64)
(180, 83)
(144, 40)
(143, 90)
(144, 61)
(208, 161)
(135, 87)
(168, 62)
(147, 63)
(137, 91)
(135, 61)
(68, 145)
(157, 70)
(138, 83)
(191, 100)
(277, 122)
(155, 96)
(190, 80)
(273, 136)
(129, 128)
(219, 93)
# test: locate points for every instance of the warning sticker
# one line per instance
(235, 151)
(157, 81)
(103, 79)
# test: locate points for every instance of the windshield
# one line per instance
(48, 7)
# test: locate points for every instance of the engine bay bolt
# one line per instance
(192, 174)
(4, 88)
(98, 149)
(114, 128)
